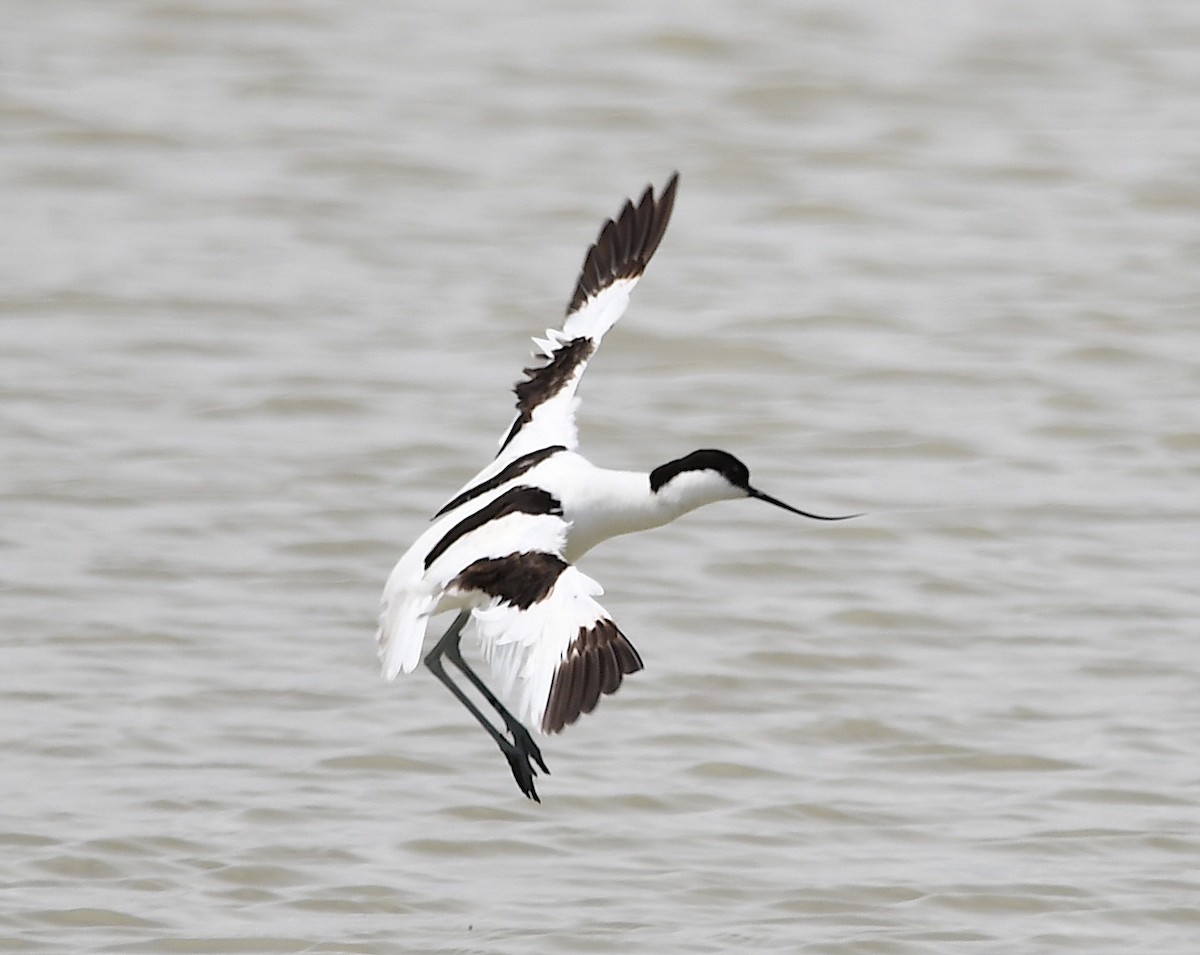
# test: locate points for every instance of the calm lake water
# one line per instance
(267, 273)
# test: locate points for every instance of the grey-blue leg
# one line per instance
(522, 748)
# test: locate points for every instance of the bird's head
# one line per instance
(708, 475)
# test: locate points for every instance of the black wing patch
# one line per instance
(626, 244)
(513, 471)
(545, 382)
(596, 662)
(516, 500)
(520, 579)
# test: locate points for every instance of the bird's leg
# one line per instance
(518, 754)
(521, 736)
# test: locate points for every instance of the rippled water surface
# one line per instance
(267, 272)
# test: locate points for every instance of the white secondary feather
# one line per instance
(600, 312)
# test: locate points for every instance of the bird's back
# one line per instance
(489, 518)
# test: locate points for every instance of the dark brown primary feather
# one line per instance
(520, 579)
(626, 244)
(595, 663)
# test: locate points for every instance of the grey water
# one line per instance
(267, 274)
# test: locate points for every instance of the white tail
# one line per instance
(402, 631)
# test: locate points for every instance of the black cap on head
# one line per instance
(706, 459)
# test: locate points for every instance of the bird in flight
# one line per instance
(502, 552)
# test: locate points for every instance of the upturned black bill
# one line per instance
(795, 510)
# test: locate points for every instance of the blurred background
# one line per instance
(267, 274)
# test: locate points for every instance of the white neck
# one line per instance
(621, 502)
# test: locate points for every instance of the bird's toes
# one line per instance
(525, 744)
(523, 773)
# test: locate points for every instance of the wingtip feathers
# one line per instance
(625, 244)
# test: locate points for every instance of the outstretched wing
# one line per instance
(546, 398)
(552, 648)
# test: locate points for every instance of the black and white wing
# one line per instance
(552, 648)
(546, 398)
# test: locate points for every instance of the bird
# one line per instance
(503, 551)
